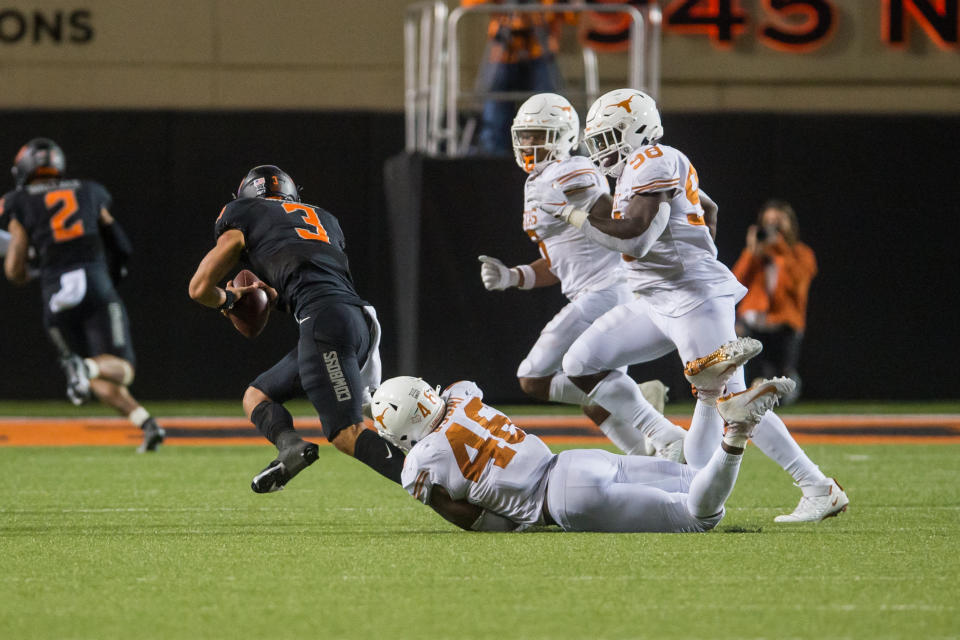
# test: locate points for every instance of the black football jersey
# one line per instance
(296, 248)
(61, 218)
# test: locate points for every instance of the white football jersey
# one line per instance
(580, 264)
(681, 270)
(477, 454)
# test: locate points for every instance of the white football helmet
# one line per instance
(551, 118)
(405, 409)
(619, 123)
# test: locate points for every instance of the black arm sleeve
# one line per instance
(118, 249)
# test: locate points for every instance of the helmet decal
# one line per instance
(619, 123)
(268, 181)
(624, 103)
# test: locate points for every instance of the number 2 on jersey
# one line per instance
(310, 217)
(62, 203)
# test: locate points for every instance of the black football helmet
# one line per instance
(41, 157)
(268, 181)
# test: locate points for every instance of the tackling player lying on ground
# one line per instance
(297, 250)
(685, 298)
(82, 253)
(545, 132)
(479, 471)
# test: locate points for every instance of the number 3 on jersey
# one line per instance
(310, 218)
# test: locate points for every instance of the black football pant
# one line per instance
(334, 344)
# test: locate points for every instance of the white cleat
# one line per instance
(78, 384)
(711, 372)
(819, 502)
(742, 411)
(655, 392)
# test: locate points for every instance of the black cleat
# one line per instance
(288, 464)
(78, 384)
(153, 435)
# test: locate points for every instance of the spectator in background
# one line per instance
(777, 270)
(520, 56)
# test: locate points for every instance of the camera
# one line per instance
(766, 233)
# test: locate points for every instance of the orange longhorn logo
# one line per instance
(567, 109)
(625, 104)
(379, 418)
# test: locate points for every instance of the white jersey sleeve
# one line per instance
(681, 269)
(478, 455)
(580, 264)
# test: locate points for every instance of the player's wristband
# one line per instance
(528, 277)
(229, 301)
(571, 215)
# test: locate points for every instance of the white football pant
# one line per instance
(571, 321)
(635, 332)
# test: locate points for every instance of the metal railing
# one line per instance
(432, 67)
(423, 63)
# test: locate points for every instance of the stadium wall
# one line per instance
(295, 54)
(874, 194)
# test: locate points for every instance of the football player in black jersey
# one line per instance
(297, 250)
(81, 252)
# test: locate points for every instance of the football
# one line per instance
(250, 313)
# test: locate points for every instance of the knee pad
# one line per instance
(525, 368)
(573, 364)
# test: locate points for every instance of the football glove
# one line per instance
(496, 276)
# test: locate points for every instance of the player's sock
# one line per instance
(563, 390)
(627, 438)
(773, 439)
(138, 417)
(703, 438)
(713, 484)
(379, 455)
(619, 394)
(272, 420)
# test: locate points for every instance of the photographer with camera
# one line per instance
(777, 270)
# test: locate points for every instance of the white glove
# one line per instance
(496, 276)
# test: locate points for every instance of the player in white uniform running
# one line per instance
(545, 131)
(479, 471)
(684, 295)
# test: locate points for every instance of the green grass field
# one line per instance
(102, 543)
(62, 408)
